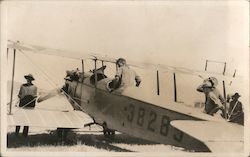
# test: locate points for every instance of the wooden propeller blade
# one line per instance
(49, 95)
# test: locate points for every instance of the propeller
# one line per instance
(49, 95)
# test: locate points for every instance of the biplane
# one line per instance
(126, 110)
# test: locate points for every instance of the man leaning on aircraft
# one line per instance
(125, 76)
(214, 100)
(27, 95)
(235, 111)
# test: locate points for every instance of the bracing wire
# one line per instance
(47, 77)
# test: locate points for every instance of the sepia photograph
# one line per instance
(125, 78)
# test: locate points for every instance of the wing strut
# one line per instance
(175, 89)
(95, 73)
(233, 77)
(234, 73)
(12, 81)
(158, 83)
(82, 66)
(225, 96)
(224, 70)
(7, 53)
(224, 89)
(206, 65)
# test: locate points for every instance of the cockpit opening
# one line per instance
(99, 73)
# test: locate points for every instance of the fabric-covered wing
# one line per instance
(54, 112)
(218, 136)
(166, 68)
(47, 51)
(24, 47)
(95, 56)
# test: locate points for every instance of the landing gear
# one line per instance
(109, 133)
(62, 135)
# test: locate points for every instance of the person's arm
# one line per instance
(20, 94)
(137, 79)
(118, 73)
(240, 109)
(222, 100)
(115, 81)
(215, 99)
(228, 98)
(200, 88)
(204, 85)
(35, 92)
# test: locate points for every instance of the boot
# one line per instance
(25, 131)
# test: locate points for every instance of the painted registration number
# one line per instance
(149, 120)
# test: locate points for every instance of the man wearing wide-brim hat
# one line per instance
(29, 77)
(27, 95)
(235, 111)
(213, 99)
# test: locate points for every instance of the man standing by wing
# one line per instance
(235, 112)
(27, 95)
(214, 100)
(125, 76)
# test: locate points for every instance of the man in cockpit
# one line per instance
(125, 76)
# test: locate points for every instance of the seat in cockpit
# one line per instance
(99, 74)
(99, 77)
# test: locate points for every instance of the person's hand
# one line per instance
(116, 78)
(138, 83)
(222, 107)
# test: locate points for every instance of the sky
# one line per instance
(176, 33)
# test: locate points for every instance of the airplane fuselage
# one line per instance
(131, 116)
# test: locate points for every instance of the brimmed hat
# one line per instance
(207, 85)
(29, 77)
(236, 95)
(212, 80)
(121, 60)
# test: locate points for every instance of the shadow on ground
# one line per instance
(96, 140)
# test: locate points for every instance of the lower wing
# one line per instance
(54, 112)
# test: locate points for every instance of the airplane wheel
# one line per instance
(105, 128)
(107, 132)
(112, 132)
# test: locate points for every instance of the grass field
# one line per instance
(82, 140)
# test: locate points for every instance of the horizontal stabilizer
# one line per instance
(218, 136)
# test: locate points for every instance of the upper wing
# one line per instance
(47, 51)
(53, 112)
(167, 68)
(83, 55)
(218, 136)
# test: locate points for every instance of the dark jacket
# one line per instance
(27, 95)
